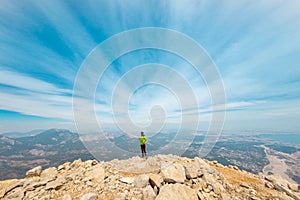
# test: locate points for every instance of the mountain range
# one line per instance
(48, 148)
(51, 148)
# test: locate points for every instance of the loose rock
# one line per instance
(148, 193)
(155, 180)
(96, 174)
(128, 180)
(173, 173)
(164, 177)
(141, 181)
(66, 197)
(177, 192)
(34, 172)
(89, 196)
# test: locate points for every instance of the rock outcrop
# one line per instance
(34, 172)
(158, 177)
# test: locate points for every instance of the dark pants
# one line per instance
(143, 147)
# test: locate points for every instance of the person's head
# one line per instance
(142, 133)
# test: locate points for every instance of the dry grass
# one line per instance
(236, 177)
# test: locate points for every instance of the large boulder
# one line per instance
(50, 172)
(96, 174)
(141, 181)
(216, 186)
(173, 173)
(90, 163)
(177, 192)
(56, 184)
(66, 197)
(148, 193)
(191, 171)
(34, 172)
(294, 187)
(155, 180)
(281, 188)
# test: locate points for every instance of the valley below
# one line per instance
(54, 147)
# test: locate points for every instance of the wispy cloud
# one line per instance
(15, 79)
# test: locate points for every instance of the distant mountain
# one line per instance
(56, 146)
(21, 134)
(48, 148)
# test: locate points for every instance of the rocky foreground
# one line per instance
(161, 177)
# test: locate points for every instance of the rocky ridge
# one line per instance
(159, 177)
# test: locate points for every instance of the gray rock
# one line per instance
(66, 197)
(120, 196)
(208, 189)
(141, 181)
(208, 178)
(61, 167)
(90, 163)
(287, 191)
(148, 193)
(269, 185)
(89, 196)
(253, 192)
(173, 173)
(245, 185)
(191, 171)
(155, 180)
(155, 189)
(218, 188)
(176, 192)
(50, 172)
(213, 184)
(47, 197)
(270, 179)
(82, 178)
(76, 163)
(57, 184)
(17, 193)
(201, 163)
(277, 179)
(128, 180)
(34, 172)
(96, 174)
(200, 196)
(225, 197)
(32, 185)
(294, 187)
(89, 183)
(211, 170)
(32, 195)
(200, 172)
(11, 186)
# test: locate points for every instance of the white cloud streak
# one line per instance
(15, 79)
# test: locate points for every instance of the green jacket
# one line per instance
(143, 140)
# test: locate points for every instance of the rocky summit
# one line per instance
(160, 177)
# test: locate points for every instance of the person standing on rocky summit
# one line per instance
(143, 140)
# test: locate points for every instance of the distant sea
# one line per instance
(293, 138)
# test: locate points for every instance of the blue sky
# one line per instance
(254, 44)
